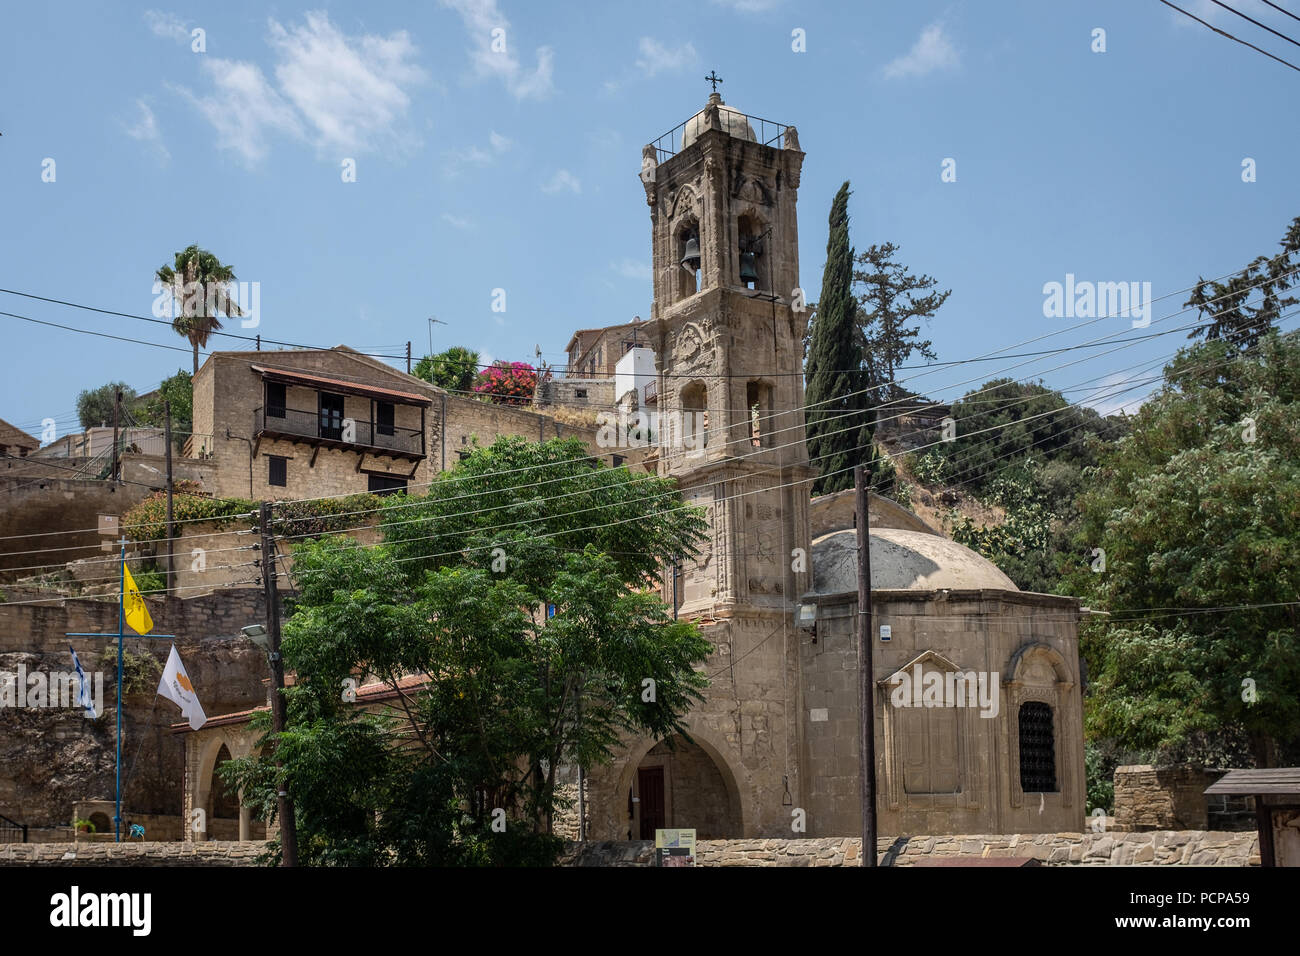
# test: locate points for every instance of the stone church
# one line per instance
(978, 696)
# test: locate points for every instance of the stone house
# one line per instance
(311, 423)
(16, 442)
(593, 353)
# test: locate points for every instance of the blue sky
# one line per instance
(479, 170)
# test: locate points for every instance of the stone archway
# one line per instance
(700, 790)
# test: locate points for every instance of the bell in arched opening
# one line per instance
(691, 258)
(748, 268)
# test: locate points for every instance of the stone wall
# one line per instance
(596, 394)
(1158, 848)
(52, 758)
(1162, 798)
(42, 504)
(151, 470)
(132, 854)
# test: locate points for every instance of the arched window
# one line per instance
(751, 266)
(1037, 748)
(688, 281)
(695, 416)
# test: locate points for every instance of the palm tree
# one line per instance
(199, 282)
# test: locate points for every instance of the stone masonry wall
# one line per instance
(51, 758)
(1159, 848)
(132, 854)
(41, 505)
(1156, 848)
(1162, 798)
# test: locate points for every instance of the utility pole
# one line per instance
(117, 405)
(288, 831)
(408, 356)
(171, 528)
(866, 675)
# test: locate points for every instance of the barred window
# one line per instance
(1037, 748)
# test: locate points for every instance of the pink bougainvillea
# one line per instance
(507, 383)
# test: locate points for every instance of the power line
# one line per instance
(1256, 22)
(1225, 33)
(157, 321)
(1279, 9)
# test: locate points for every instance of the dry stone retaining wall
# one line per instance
(1155, 848)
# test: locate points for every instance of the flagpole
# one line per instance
(121, 612)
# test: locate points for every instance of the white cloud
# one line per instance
(632, 269)
(351, 89)
(243, 108)
(655, 57)
(146, 130)
(481, 18)
(167, 25)
(344, 94)
(455, 161)
(458, 221)
(563, 179)
(932, 51)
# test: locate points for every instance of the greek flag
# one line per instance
(83, 687)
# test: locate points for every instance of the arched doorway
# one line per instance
(677, 784)
(223, 801)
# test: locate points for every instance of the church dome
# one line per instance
(902, 560)
(733, 123)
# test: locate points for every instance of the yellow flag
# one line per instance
(137, 615)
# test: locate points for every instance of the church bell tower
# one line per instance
(727, 324)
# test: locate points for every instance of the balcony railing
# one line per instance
(766, 131)
(327, 429)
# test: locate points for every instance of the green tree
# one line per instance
(890, 302)
(1249, 304)
(1003, 422)
(516, 589)
(456, 369)
(1196, 512)
(179, 390)
(838, 418)
(199, 283)
(95, 405)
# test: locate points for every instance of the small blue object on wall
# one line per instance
(885, 632)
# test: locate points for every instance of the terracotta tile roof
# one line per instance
(338, 384)
(368, 693)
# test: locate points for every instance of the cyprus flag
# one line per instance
(175, 686)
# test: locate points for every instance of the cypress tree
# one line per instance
(838, 418)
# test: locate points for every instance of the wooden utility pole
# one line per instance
(171, 528)
(866, 675)
(288, 830)
(408, 356)
(117, 406)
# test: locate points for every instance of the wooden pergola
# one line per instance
(1282, 784)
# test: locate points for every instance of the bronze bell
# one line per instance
(691, 260)
(748, 272)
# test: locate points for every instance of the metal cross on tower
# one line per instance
(714, 79)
